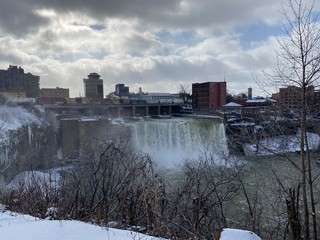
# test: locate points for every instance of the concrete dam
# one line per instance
(168, 141)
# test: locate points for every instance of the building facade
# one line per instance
(53, 96)
(15, 82)
(121, 90)
(55, 92)
(291, 96)
(93, 86)
(250, 93)
(155, 98)
(209, 95)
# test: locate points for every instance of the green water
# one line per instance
(267, 182)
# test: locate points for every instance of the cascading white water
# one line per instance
(170, 141)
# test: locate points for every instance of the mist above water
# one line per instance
(170, 141)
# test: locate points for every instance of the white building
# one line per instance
(162, 98)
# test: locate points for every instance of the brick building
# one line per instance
(53, 96)
(55, 92)
(209, 95)
(15, 82)
(291, 96)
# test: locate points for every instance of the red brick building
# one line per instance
(209, 95)
(291, 96)
(53, 95)
(55, 92)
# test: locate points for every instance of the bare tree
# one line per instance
(298, 65)
(184, 93)
(200, 196)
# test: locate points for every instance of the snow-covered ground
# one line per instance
(49, 177)
(280, 144)
(14, 226)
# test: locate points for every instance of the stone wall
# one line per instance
(78, 132)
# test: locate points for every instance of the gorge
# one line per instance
(169, 141)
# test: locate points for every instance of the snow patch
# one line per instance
(13, 118)
(237, 234)
(118, 121)
(24, 227)
(28, 178)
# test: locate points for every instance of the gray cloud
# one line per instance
(157, 44)
(19, 16)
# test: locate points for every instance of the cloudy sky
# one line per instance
(156, 44)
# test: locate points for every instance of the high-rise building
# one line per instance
(17, 83)
(93, 86)
(122, 90)
(209, 95)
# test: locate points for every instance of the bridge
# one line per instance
(115, 110)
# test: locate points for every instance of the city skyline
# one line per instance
(156, 45)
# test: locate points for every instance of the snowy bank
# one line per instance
(15, 226)
(280, 145)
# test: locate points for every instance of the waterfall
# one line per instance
(170, 141)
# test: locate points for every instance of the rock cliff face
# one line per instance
(27, 139)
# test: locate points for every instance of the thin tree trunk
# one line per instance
(312, 202)
(303, 166)
(293, 220)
